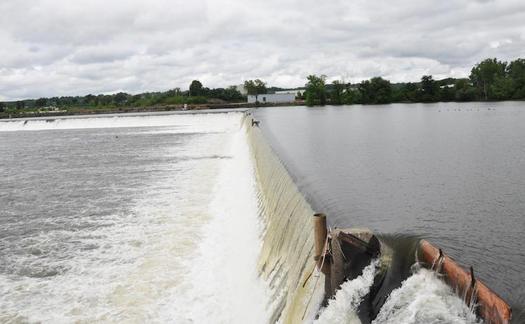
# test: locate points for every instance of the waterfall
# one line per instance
(286, 258)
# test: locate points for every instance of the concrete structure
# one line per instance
(272, 98)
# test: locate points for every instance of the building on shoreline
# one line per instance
(272, 98)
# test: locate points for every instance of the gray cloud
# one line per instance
(58, 47)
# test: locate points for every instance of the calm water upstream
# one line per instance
(451, 173)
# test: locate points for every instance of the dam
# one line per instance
(178, 218)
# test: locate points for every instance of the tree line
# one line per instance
(490, 79)
(197, 94)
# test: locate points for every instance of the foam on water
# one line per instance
(193, 243)
(178, 122)
(223, 284)
(424, 298)
(185, 251)
(343, 307)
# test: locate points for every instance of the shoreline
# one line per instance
(193, 108)
(166, 108)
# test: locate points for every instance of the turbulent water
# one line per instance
(181, 218)
(129, 219)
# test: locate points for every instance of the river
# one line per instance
(452, 173)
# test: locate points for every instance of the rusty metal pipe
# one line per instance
(492, 308)
(320, 234)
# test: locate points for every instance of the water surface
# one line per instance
(450, 173)
(113, 219)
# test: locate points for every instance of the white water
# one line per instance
(186, 252)
(424, 298)
(223, 285)
(343, 308)
(191, 247)
(178, 122)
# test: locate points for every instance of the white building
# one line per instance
(294, 91)
(272, 98)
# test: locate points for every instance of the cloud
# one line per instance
(60, 47)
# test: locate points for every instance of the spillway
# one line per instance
(176, 217)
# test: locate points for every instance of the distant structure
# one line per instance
(294, 91)
(272, 98)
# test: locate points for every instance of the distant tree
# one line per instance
(409, 92)
(89, 100)
(255, 87)
(516, 72)
(3, 106)
(429, 89)
(315, 93)
(230, 94)
(41, 102)
(464, 91)
(175, 92)
(336, 93)
(104, 100)
(195, 88)
(485, 73)
(502, 88)
(120, 98)
(351, 96)
(375, 91)
(20, 104)
(446, 93)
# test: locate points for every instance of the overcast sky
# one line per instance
(66, 47)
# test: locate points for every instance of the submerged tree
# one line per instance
(315, 92)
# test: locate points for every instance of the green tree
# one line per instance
(429, 89)
(516, 72)
(20, 104)
(447, 93)
(120, 98)
(409, 92)
(502, 88)
(255, 87)
(376, 91)
(3, 106)
(195, 88)
(336, 94)
(464, 91)
(90, 100)
(315, 92)
(485, 73)
(41, 102)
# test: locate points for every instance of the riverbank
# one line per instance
(117, 110)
